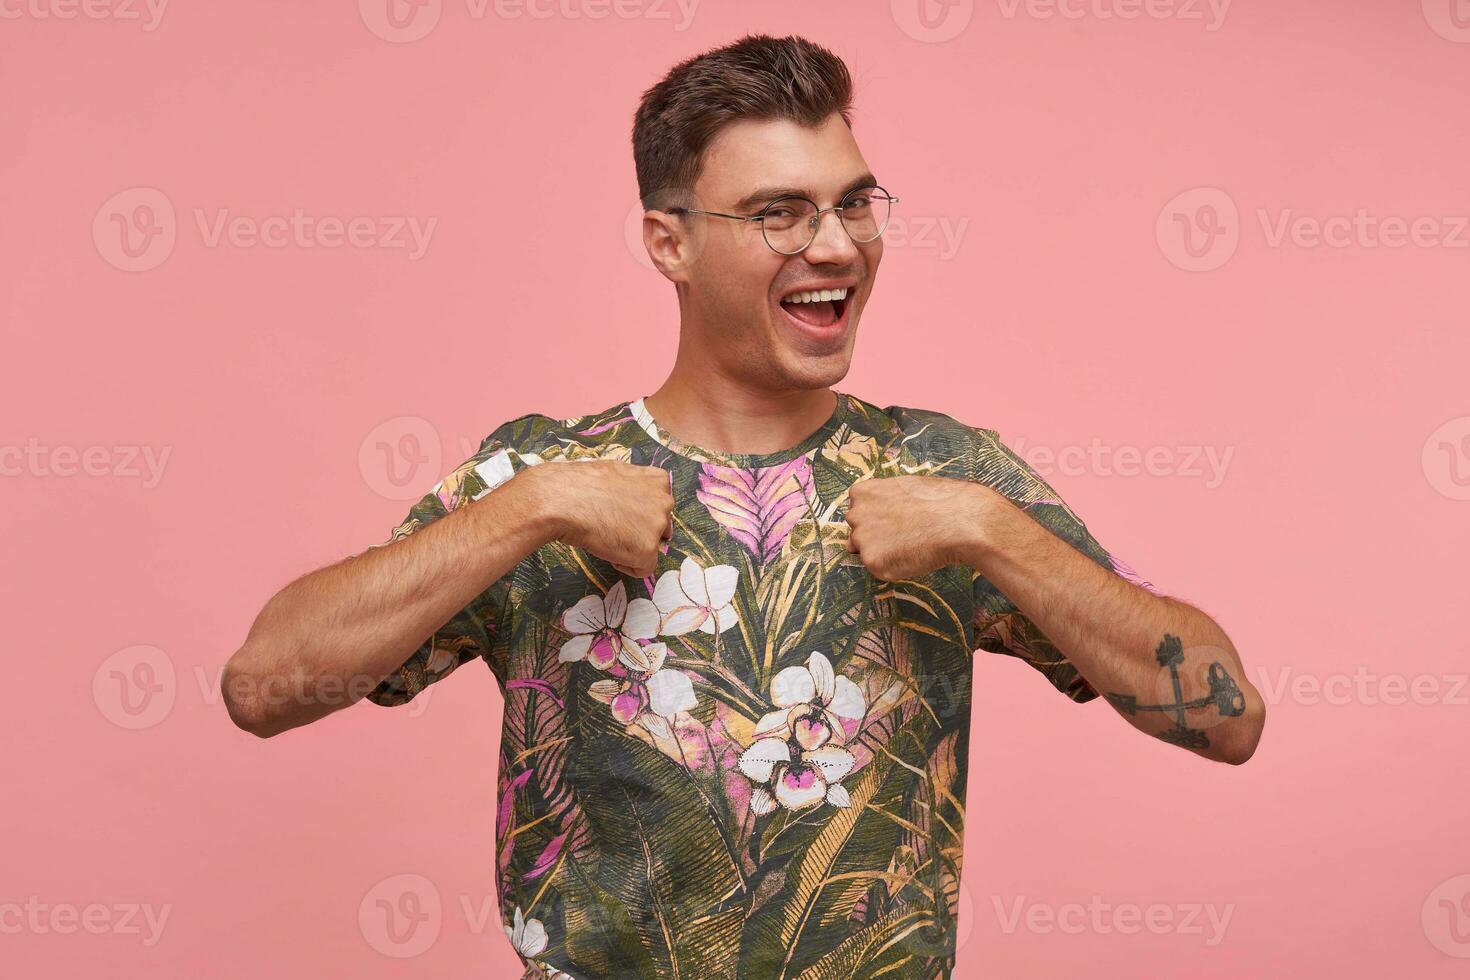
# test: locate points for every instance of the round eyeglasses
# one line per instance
(790, 224)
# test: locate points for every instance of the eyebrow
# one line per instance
(765, 195)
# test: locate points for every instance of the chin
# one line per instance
(806, 369)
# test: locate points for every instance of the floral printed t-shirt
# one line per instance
(752, 762)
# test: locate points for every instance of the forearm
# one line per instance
(1145, 653)
(326, 640)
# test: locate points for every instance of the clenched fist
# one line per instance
(904, 527)
(620, 512)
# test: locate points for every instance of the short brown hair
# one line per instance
(756, 77)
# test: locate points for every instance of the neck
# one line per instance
(733, 416)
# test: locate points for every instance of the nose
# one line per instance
(833, 244)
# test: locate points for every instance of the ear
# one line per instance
(670, 247)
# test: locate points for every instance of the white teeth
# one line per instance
(816, 296)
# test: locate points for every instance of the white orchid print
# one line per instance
(692, 597)
(528, 936)
(647, 692)
(598, 628)
(797, 759)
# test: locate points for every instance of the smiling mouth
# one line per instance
(818, 307)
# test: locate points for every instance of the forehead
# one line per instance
(779, 153)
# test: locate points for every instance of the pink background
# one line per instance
(1049, 147)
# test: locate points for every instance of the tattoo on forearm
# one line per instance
(1224, 695)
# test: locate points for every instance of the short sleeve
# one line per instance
(999, 626)
(474, 631)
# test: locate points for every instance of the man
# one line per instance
(735, 640)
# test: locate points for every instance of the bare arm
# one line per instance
(326, 640)
(1167, 667)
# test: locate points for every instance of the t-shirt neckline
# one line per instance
(700, 454)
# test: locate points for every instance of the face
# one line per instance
(735, 292)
